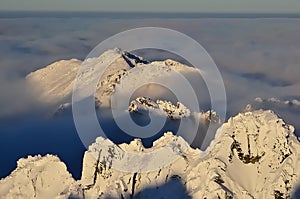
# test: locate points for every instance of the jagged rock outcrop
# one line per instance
(261, 154)
(38, 177)
(174, 112)
(161, 106)
(254, 155)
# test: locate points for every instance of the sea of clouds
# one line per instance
(256, 57)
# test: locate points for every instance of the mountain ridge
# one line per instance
(270, 169)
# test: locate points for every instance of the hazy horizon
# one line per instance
(215, 6)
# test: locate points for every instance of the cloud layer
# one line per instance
(256, 57)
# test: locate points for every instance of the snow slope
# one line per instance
(54, 83)
(254, 155)
(37, 177)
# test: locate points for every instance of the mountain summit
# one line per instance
(54, 83)
(254, 155)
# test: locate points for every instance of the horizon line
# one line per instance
(173, 14)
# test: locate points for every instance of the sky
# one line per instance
(222, 6)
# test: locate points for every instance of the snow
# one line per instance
(262, 151)
(54, 83)
(254, 155)
(161, 106)
(37, 177)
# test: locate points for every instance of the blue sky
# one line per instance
(238, 6)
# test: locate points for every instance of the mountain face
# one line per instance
(37, 177)
(254, 155)
(54, 83)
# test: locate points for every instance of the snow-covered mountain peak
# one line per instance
(38, 177)
(134, 60)
(261, 147)
(54, 83)
(254, 155)
(160, 106)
